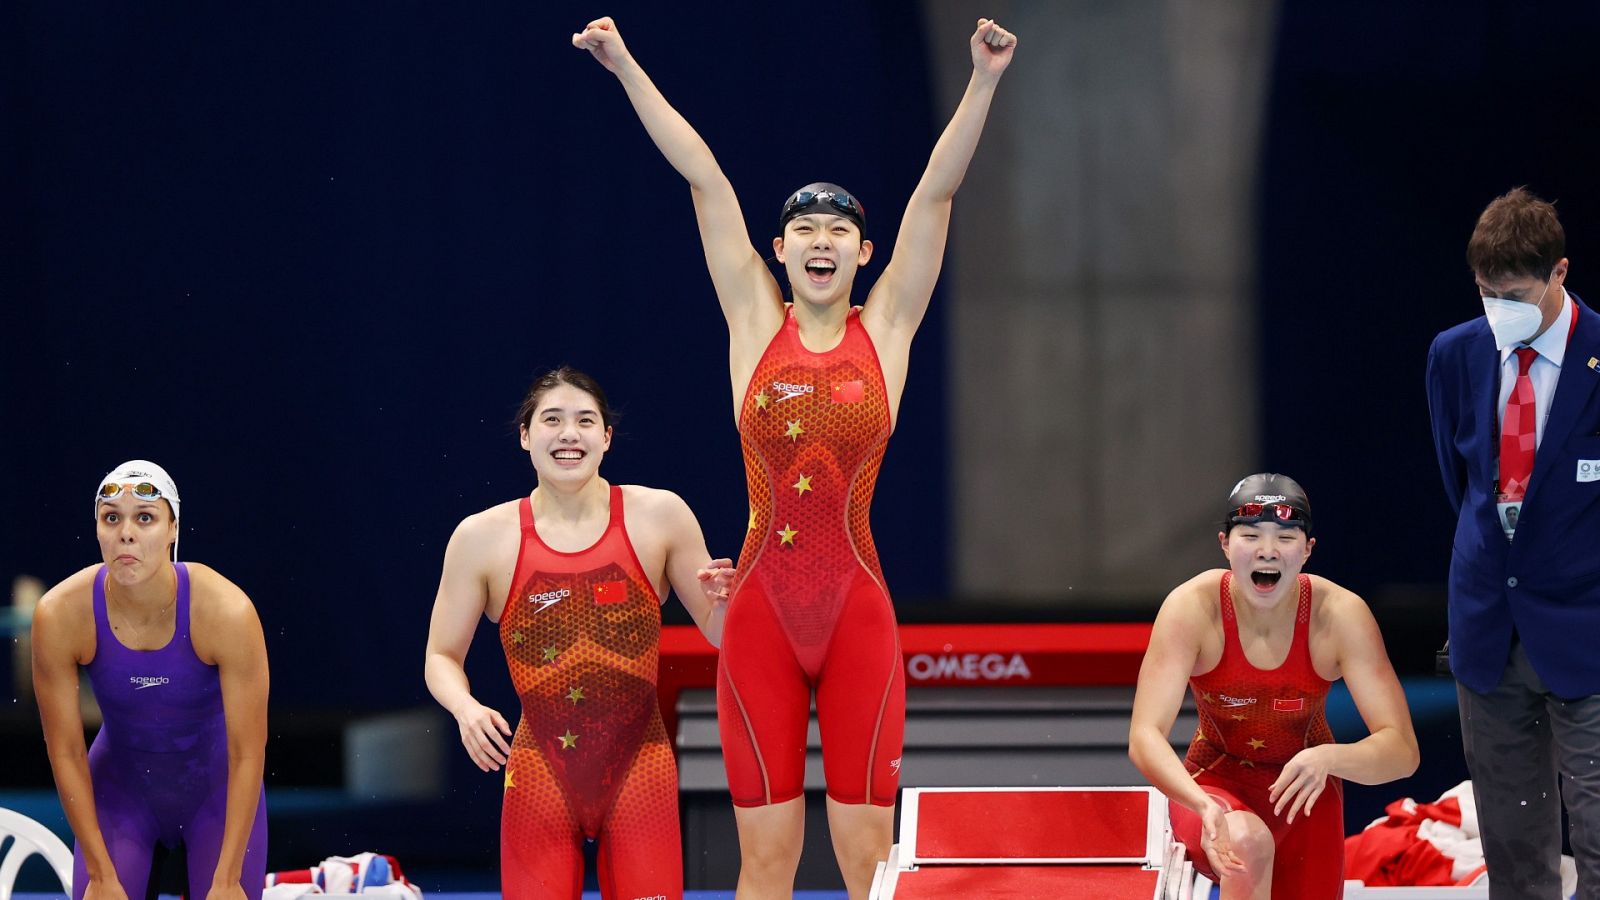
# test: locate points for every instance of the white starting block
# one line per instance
(1108, 843)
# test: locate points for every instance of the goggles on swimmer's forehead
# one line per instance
(143, 490)
(845, 204)
(1281, 513)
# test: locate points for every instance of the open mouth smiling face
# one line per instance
(820, 252)
(1266, 557)
(567, 432)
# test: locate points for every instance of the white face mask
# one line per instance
(1514, 321)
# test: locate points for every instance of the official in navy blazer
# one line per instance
(1524, 590)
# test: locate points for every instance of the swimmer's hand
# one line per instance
(484, 733)
(992, 47)
(225, 891)
(716, 579)
(1301, 781)
(1216, 841)
(602, 39)
(104, 889)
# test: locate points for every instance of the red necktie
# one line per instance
(1518, 432)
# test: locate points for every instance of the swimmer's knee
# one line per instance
(1252, 839)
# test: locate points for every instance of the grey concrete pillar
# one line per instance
(1100, 293)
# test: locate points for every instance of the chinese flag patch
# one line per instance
(848, 392)
(607, 592)
(1296, 705)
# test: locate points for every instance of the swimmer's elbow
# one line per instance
(1136, 749)
(1413, 760)
(1396, 756)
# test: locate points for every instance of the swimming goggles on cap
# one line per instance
(1281, 513)
(839, 200)
(143, 490)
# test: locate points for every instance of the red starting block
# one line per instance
(1111, 843)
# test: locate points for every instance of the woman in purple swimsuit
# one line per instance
(179, 666)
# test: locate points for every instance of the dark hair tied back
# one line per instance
(555, 378)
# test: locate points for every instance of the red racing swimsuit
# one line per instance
(590, 757)
(1252, 722)
(809, 610)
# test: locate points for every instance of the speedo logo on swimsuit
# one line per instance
(652, 897)
(549, 598)
(968, 667)
(895, 765)
(147, 681)
(790, 391)
(1232, 702)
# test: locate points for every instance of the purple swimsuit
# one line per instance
(160, 762)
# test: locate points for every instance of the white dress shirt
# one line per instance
(1546, 368)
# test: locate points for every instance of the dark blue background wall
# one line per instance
(1390, 127)
(308, 256)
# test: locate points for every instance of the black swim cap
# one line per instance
(823, 197)
(1269, 497)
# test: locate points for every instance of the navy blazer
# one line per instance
(1546, 583)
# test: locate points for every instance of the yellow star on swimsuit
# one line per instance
(516, 637)
(1237, 718)
(550, 653)
(752, 525)
(568, 740)
(1207, 698)
(575, 695)
(1257, 743)
(787, 535)
(762, 400)
(509, 783)
(794, 432)
(1248, 763)
(803, 485)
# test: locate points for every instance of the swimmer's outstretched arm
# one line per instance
(462, 599)
(228, 635)
(1163, 680)
(900, 297)
(751, 299)
(59, 647)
